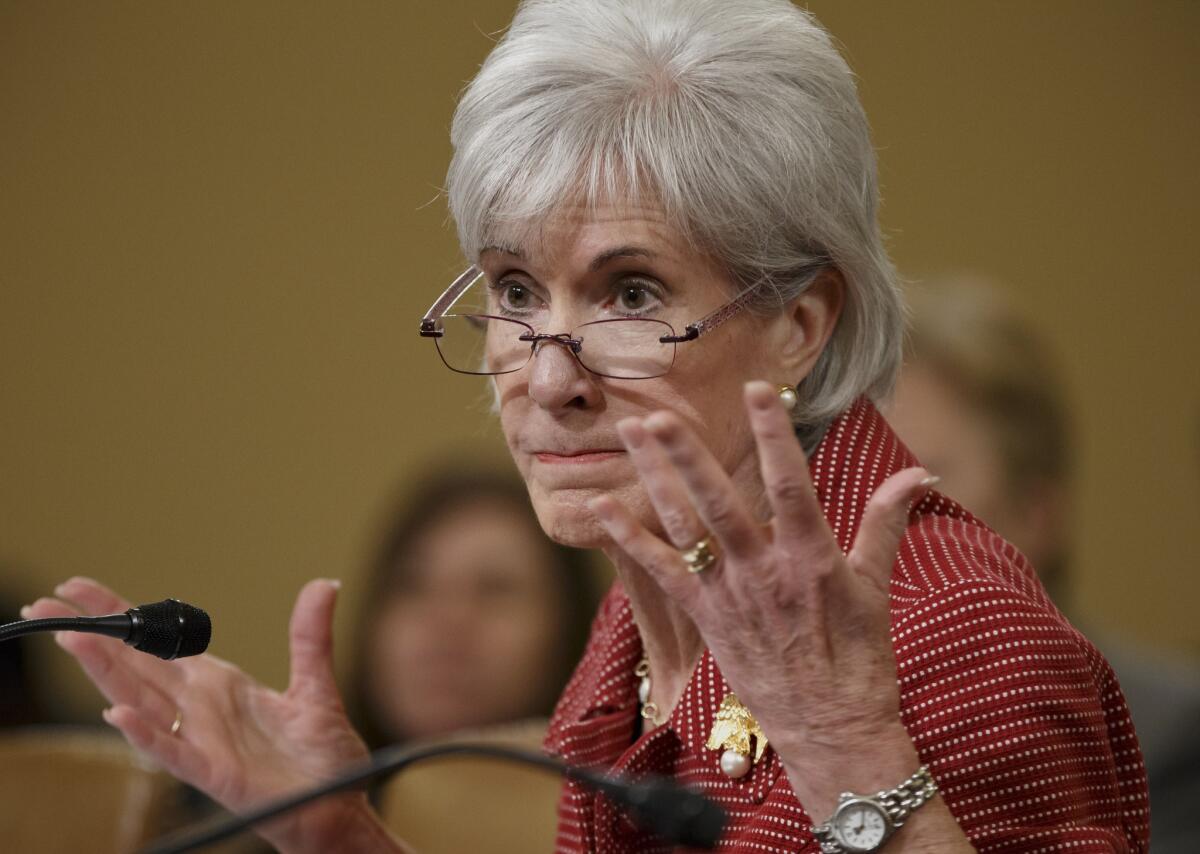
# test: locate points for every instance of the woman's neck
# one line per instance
(670, 639)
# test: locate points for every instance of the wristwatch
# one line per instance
(862, 823)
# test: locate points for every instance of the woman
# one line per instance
(706, 165)
(471, 615)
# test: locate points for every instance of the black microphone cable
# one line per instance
(658, 804)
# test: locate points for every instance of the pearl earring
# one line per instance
(787, 394)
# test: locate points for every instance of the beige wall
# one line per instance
(219, 223)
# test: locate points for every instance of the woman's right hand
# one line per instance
(239, 742)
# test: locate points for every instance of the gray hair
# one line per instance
(738, 118)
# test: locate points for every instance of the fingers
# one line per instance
(663, 485)
(122, 675)
(91, 597)
(784, 468)
(660, 560)
(884, 522)
(311, 635)
(116, 672)
(174, 752)
(47, 608)
(709, 490)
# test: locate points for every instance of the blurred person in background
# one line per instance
(980, 401)
(471, 616)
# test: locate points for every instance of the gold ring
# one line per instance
(177, 724)
(700, 556)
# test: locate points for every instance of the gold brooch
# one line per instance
(732, 730)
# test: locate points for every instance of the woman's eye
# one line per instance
(514, 296)
(634, 298)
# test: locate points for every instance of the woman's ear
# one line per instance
(808, 323)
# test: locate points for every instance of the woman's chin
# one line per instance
(574, 528)
(567, 520)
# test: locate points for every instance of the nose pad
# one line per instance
(555, 351)
(556, 375)
(562, 338)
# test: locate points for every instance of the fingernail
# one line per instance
(931, 480)
(25, 612)
(632, 433)
(107, 715)
(661, 427)
(600, 508)
(335, 583)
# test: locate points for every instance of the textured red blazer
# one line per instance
(1018, 717)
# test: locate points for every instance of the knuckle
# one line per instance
(683, 454)
(791, 490)
(721, 516)
(678, 524)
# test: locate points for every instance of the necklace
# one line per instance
(649, 709)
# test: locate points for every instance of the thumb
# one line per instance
(311, 639)
(884, 523)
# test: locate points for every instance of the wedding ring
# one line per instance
(700, 556)
(177, 724)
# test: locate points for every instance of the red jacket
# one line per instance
(1018, 717)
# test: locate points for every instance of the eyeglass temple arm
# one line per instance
(711, 321)
(446, 300)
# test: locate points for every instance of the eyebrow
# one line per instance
(619, 252)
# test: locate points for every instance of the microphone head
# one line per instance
(173, 629)
(675, 813)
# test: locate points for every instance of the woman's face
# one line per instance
(560, 420)
(471, 635)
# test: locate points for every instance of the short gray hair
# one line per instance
(739, 118)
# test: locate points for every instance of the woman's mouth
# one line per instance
(576, 457)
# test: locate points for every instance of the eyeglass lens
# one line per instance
(621, 348)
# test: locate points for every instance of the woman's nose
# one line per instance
(557, 380)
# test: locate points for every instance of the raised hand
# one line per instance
(238, 741)
(799, 629)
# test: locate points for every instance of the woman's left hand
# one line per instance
(800, 630)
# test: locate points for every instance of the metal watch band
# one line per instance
(912, 793)
(899, 803)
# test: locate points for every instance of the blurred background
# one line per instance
(220, 223)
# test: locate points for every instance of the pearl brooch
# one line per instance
(734, 764)
(732, 731)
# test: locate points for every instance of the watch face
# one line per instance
(861, 826)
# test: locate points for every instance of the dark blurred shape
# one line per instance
(21, 703)
(471, 615)
(981, 404)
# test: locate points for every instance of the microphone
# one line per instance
(168, 629)
(658, 804)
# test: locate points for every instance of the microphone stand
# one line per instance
(658, 804)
